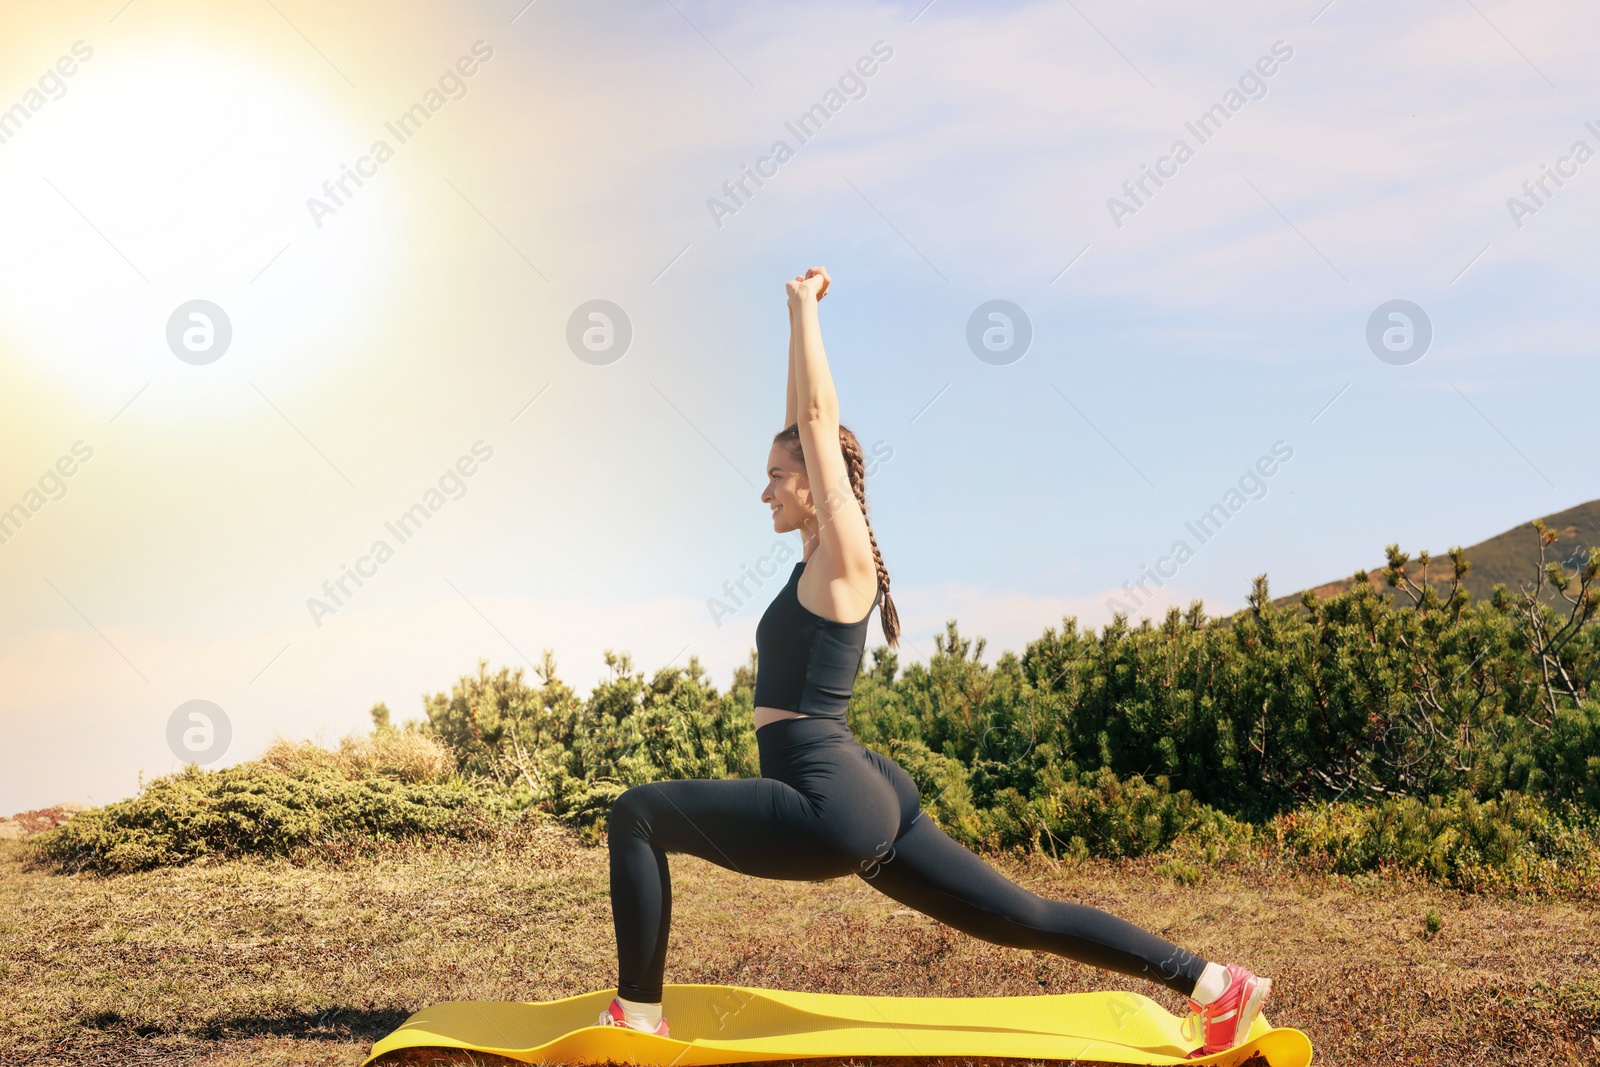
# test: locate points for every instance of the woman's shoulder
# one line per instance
(829, 597)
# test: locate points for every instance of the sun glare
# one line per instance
(170, 172)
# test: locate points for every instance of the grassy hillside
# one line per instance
(1507, 558)
(277, 963)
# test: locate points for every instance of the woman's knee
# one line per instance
(630, 812)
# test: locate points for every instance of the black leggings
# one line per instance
(826, 807)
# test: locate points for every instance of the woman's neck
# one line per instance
(810, 542)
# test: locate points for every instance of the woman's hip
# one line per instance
(840, 779)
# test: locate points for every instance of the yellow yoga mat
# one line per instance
(731, 1024)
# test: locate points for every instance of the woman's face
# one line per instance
(788, 492)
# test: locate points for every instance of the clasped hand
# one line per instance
(813, 284)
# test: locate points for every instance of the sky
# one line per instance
(276, 275)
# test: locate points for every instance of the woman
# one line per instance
(825, 806)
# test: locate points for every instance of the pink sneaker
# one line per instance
(1226, 1021)
(615, 1016)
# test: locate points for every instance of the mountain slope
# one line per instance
(1511, 558)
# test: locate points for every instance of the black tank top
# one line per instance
(804, 662)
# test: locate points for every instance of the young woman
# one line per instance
(825, 806)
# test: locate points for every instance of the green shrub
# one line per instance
(1110, 816)
(1180, 871)
(547, 749)
(265, 808)
(1514, 841)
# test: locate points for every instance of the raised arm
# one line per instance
(794, 344)
(846, 546)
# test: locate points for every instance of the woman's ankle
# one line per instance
(1212, 983)
(640, 1015)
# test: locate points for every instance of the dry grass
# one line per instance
(410, 757)
(270, 963)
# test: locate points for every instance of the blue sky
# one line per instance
(373, 347)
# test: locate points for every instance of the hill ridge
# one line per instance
(1509, 557)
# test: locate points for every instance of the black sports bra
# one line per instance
(804, 662)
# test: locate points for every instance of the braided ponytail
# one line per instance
(856, 466)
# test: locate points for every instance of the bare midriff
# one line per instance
(766, 715)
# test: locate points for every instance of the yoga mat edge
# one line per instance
(733, 1024)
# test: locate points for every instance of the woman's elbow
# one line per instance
(820, 412)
